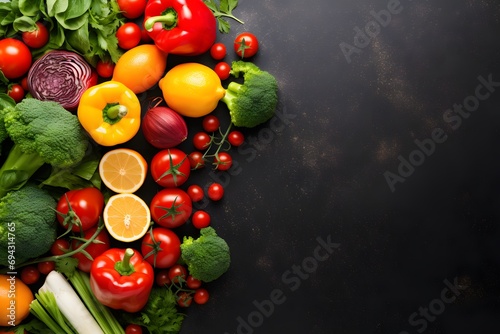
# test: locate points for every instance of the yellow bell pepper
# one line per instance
(110, 113)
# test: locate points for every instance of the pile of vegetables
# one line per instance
(70, 75)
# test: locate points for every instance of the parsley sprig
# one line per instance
(222, 11)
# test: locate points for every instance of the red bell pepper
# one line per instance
(181, 27)
(121, 279)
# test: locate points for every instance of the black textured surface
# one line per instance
(317, 173)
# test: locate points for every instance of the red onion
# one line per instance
(61, 76)
(163, 127)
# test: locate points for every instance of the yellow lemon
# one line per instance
(192, 89)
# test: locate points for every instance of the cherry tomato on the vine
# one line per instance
(15, 58)
(196, 160)
(60, 247)
(171, 207)
(93, 249)
(161, 278)
(184, 299)
(210, 123)
(201, 296)
(246, 45)
(201, 141)
(86, 206)
(161, 247)
(195, 192)
(223, 70)
(133, 329)
(236, 138)
(30, 274)
(36, 38)
(218, 51)
(215, 191)
(46, 267)
(170, 167)
(105, 68)
(16, 92)
(129, 35)
(132, 9)
(200, 219)
(223, 161)
(177, 273)
(193, 283)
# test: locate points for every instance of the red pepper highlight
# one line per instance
(181, 27)
(121, 279)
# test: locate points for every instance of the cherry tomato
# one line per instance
(215, 191)
(223, 70)
(223, 161)
(196, 160)
(133, 329)
(37, 38)
(170, 167)
(246, 45)
(24, 84)
(46, 267)
(201, 296)
(236, 138)
(193, 283)
(201, 141)
(132, 9)
(16, 92)
(93, 249)
(161, 247)
(128, 35)
(171, 207)
(161, 278)
(30, 274)
(184, 299)
(195, 192)
(60, 247)
(15, 58)
(210, 123)
(86, 207)
(105, 68)
(177, 273)
(218, 51)
(200, 219)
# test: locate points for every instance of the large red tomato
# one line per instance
(171, 207)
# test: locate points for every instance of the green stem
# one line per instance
(124, 267)
(101, 313)
(38, 311)
(168, 19)
(117, 111)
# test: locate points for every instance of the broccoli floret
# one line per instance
(43, 132)
(5, 102)
(253, 102)
(207, 257)
(28, 225)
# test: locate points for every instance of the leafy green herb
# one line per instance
(222, 11)
(160, 315)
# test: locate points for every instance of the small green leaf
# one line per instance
(24, 23)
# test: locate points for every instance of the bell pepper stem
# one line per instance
(117, 111)
(168, 19)
(124, 267)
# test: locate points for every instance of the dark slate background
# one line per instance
(423, 257)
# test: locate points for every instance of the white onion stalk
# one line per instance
(70, 304)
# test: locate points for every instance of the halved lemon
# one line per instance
(123, 170)
(126, 217)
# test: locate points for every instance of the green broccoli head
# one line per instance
(28, 225)
(47, 129)
(207, 257)
(253, 102)
(5, 102)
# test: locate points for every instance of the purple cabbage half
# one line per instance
(61, 76)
